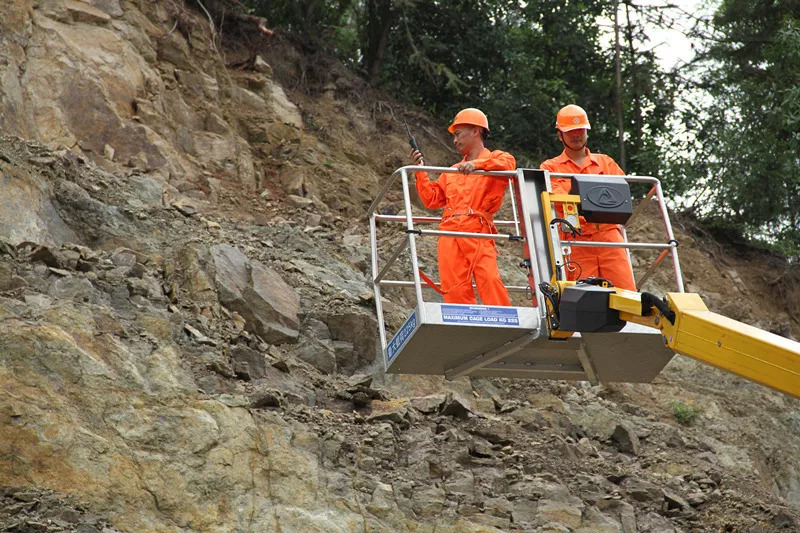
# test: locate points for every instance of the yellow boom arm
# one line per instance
(717, 340)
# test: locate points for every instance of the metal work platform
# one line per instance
(438, 338)
(456, 340)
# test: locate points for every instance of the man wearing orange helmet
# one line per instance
(470, 202)
(612, 264)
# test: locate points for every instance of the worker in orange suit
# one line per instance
(612, 264)
(470, 202)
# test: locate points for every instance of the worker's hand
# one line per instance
(416, 158)
(466, 167)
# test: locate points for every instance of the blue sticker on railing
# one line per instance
(400, 338)
(479, 314)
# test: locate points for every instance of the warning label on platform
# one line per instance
(400, 338)
(479, 314)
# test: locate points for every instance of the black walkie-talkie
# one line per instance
(411, 140)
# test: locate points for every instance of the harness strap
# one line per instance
(468, 279)
(430, 283)
(486, 219)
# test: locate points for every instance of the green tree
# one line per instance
(649, 91)
(518, 61)
(745, 161)
(306, 17)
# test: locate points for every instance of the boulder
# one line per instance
(643, 491)
(9, 281)
(393, 411)
(654, 523)
(111, 7)
(599, 421)
(318, 354)
(199, 83)
(195, 278)
(567, 511)
(148, 191)
(81, 12)
(523, 512)
(78, 289)
(457, 406)
(27, 212)
(428, 404)
(269, 306)
(357, 329)
(259, 65)
(428, 501)
(285, 111)
(625, 439)
(256, 364)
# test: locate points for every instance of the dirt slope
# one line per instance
(194, 347)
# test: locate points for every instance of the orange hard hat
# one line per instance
(470, 116)
(572, 117)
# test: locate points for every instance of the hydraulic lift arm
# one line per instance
(689, 328)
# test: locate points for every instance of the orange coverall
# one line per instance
(470, 202)
(609, 263)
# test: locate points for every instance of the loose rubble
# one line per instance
(179, 352)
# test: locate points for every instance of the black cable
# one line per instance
(572, 230)
(650, 300)
(596, 281)
(551, 294)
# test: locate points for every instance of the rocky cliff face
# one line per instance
(187, 333)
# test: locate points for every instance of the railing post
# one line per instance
(512, 184)
(676, 265)
(412, 240)
(664, 215)
(376, 286)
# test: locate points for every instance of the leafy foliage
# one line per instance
(518, 61)
(520, 68)
(684, 413)
(310, 16)
(728, 147)
(745, 165)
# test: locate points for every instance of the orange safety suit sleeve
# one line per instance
(559, 185)
(613, 168)
(432, 193)
(497, 160)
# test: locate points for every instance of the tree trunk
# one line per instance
(637, 98)
(618, 68)
(379, 24)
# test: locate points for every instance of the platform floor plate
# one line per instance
(435, 341)
(636, 354)
(541, 359)
(441, 337)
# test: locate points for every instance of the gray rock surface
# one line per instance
(183, 347)
(27, 212)
(268, 305)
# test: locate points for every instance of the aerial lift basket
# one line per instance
(478, 340)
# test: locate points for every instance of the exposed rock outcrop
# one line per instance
(268, 305)
(188, 339)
